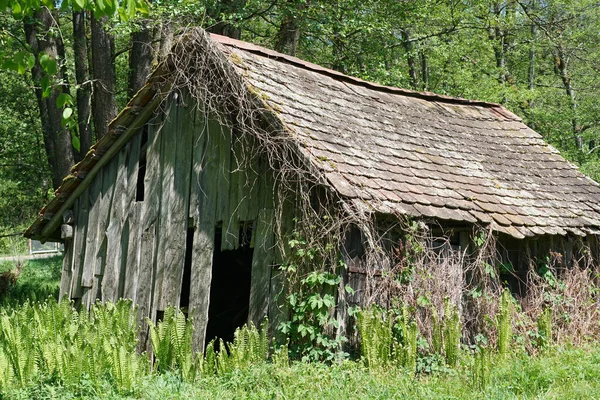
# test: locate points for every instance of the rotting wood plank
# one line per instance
(67, 271)
(202, 210)
(179, 198)
(167, 162)
(148, 222)
(109, 175)
(224, 141)
(79, 249)
(131, 241)
(133, 248)
(112, 269)
(89, 262)
(261, 267)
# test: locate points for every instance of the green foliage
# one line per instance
(172, 344)
(544, 324)
(52, 341)
(481, 369)
(452, 334)
(375, 328)
(312, 325)
(38, 280)
(504, 323)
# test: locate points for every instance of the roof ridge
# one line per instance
(265, 52)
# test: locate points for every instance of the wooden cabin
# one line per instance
(161, 211)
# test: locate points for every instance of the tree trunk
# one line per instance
(562, 70)
(166, 40)
(140, 59)
(57, 139)
(288, 35)
(410, 59)
(104, 107)
(84, 89)
(226, 7)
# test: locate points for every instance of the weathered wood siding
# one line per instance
(125, 247)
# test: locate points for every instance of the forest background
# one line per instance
(67, 67)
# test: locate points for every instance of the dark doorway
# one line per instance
(229, 290)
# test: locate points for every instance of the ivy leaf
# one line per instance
(75, 142)
(64, 99)
(80, 3)
(45, 86)
(67, 112)
(48, 64)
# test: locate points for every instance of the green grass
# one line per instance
(39, 279)
(563, 374)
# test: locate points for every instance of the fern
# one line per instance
(504, 324)
(452, 334)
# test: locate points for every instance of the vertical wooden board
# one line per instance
(251, 191)
(202, 210)
(67, 271)
(178, 205)
(131, 235)
(148, 241)
(231, 222)
(91, 240)
(79, 249)
(133, 248)
(222, 137)
(167, 162)
(261, 268)
(278, 310)
(109, 174)
(112, 269)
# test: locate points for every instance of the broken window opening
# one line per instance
(229, 289)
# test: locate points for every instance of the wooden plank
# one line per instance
(231, 221)
(224, 178)
(148, 241)
(89, 263)
(67, 271)
(178, 205)
(261, 267)
(80, 242)
(278, 310)
(114, 252)
(133, 249)
(131, 232)
(202, 210)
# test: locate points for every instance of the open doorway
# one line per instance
(229, 289)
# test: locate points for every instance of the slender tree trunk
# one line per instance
(531, 78)
(227, 7)
(57, 139)
(288, 35)
(84, 89)
(562, 70)
(140, 59)
(411, 59)
(104, 106)
(424, 71)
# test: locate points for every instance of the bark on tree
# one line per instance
(57, 139)
(104, 107)
(410, 59)
(84, 89)
(288, 35)
(140, 59)
(561, 63)
(223, 27)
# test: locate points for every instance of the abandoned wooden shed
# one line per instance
(162, 211)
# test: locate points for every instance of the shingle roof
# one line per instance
(398, 151)
(390, 150)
